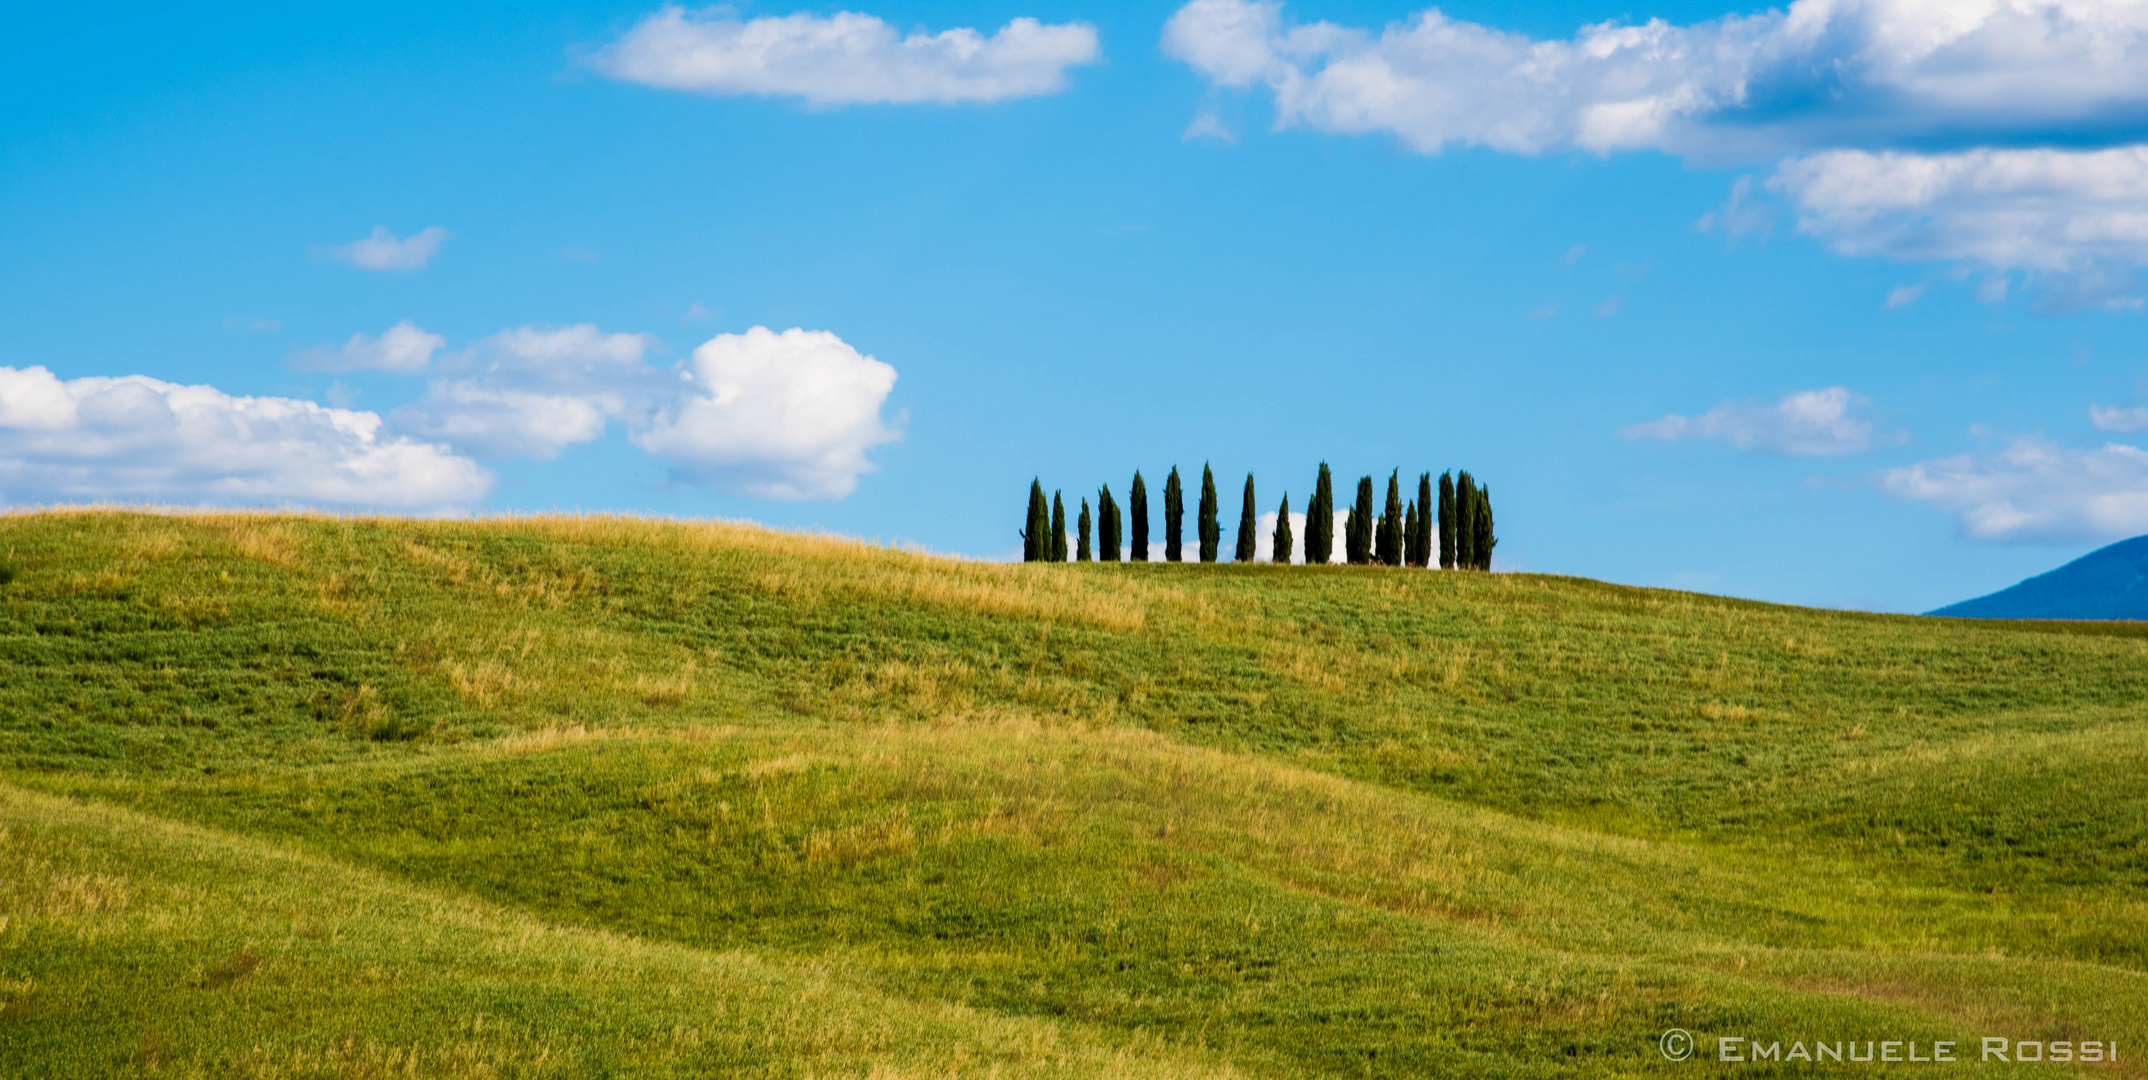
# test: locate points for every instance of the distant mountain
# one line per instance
(2109, 583)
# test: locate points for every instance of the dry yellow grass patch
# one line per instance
(811, 568)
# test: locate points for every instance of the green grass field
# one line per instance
(316, 797)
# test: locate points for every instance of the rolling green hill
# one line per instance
(296, 796)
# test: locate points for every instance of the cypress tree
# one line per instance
(1485, 540)
(1248, 526)
(1465, 522)
(1040, 518)
(1409, 535)
(1424, 521)
(1174, 510)
(1081, 551)
(1059, 528)
(1211, 533)
(1137, 507)
(1107, 526)
(1279, 551)
(1446, 521)
(1320, 520)
(1391, 534)
(1358, 544)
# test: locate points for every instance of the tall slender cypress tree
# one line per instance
(1391, 524)
(1137, 507)
(1174, 512)
(1107, 525)
(1040, 518)
(1211, 532)
(1248, 526)
(1486, 541)
(1320, 520)
(1357, 543)
(1465, 522)
(1409, 535)
(1059, 528)
(1446, 521)
(1424, 521)
(1081, 550)
(1279, 550)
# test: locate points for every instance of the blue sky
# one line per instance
(1822, 322)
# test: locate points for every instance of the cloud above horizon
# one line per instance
(135, 438)
(402, 349)
(1808, 423)
(1913, 130)
(532, 391)
(382, 250)
(785, 416)
(2034, 490)
(2075, 220)
(846, 58)
(1820, 74)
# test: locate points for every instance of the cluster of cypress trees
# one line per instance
(1397, 534)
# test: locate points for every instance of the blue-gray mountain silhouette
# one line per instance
(2109, 583)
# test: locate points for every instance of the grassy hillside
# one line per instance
(287, 796)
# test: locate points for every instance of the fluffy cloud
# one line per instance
(382, 251)
(1810, 423)
(2062, 211)
(786, 415)
(2114, 418)
(1824, 73)
(1843, 87)
(2034, 490)
(138, 438)
(533, 391)
(846, 58)
(402, 348)
(777, 416)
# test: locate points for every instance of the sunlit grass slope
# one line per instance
(589, 796)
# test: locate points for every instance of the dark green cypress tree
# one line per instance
(1358, 541)
(1137, 507)
(1081, 550)
(1391, 524)
(1465, 522)
(1211, 532)
(1279, 551)
(1409, 535)
(1446, 521)
(1059, 528)
(1248, 526)
(1174, 512)
(1424, 521)
(1040, 518)
(1486, 541)
(1107, 525)
(1320, 520)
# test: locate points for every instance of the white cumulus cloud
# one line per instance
(786, 415)
(2116, 418)
(1809, 423)
(2034, 490)
(846, 58)
(402, 348)
(532, 391)
(2076, 218)
(1823, 73)
(384, 251)
(134, 438)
